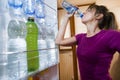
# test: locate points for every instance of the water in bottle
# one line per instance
(3, 67)
(40, 9)
(3, 35)
(15, 7)
(51, 46)
(40, 12)
(43, 54)
(32, 45)
(51, 51)
(15, 3)
(17, 59)
(15, 30)
(29, 7)
(71, 9)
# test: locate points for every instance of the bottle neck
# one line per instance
(30, 19)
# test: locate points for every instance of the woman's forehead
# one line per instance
(91, 9)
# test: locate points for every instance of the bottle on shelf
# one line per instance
(32, 45)
(42, 46)
(51, 52)
(40, 9)
(71, 9)
(17, 59)
(15, 7)
(43, 54)
(17, 45)
(40, 18)
(51, 46)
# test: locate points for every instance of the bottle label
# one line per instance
(69, 7)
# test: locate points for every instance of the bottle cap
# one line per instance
(31, 19)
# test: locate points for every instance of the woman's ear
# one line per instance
(99, 16)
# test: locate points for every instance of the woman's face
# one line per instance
(89, 15)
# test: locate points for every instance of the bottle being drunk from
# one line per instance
(71, 9)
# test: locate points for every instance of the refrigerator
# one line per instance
(14, 58)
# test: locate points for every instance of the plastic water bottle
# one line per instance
(17, 64)
(43, 54)
(42, 44)
(32, 45)
(29, 7)
(71, 9)
(3, 35)
(40, 10)
(51, 51)
(17, 59)
(16, 29)
(15, 7)
(51, 46)
(15, 3)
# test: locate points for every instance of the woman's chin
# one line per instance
(83, 22)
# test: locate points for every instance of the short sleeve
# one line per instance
(114, 41)
(78, 38)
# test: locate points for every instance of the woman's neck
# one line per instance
(92, 29)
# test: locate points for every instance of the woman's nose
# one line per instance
(83, 13)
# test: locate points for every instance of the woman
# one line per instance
(96, 47)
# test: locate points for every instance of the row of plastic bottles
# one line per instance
(24, 37)
(28, 7)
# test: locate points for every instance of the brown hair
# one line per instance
(108, 21)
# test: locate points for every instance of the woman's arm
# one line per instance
(60, 36)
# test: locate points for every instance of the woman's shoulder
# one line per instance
(80, 34)
(112, 34)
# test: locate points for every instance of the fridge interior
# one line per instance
(13, 63)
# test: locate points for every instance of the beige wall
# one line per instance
(112, 5)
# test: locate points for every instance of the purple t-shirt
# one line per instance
(95, 54)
